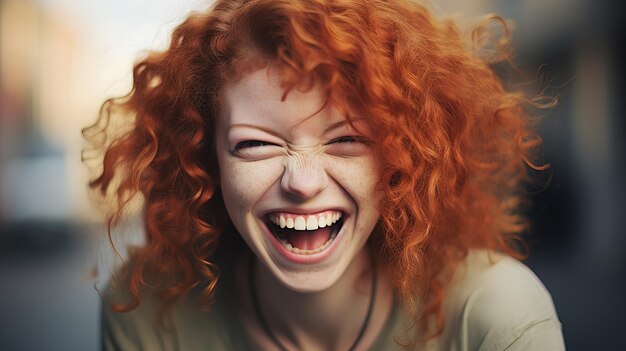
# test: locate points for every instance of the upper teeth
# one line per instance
(305, 222)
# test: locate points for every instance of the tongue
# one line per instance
(308, 239)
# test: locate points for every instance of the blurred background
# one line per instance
(59, 59)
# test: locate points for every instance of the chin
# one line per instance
(309, 282)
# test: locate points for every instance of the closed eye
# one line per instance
(349, 145)
(350, 139)
(249, 144)
(256, 149)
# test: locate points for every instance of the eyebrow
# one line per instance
(271, 132)
(247, 125)
(342, 123)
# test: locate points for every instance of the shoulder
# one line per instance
(132, 330)
(495, 302)
(181, 326)
(184, 325)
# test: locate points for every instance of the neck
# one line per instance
(327, 320)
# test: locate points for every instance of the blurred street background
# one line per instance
(59, 60)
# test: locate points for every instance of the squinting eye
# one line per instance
(256, 149)
(345, 139)
(349, 145)
(351, 139)
(250, 143)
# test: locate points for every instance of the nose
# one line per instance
(304, 176)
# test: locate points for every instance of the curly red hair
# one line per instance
(456, 144)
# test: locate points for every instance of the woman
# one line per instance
(370, 161)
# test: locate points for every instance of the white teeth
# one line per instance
(305, 222)
(321, 221)
(311, 223)
(299, 224)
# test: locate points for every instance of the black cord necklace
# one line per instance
(266, 327)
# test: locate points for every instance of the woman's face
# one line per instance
(299, 182)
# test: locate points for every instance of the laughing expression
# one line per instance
(298, 181)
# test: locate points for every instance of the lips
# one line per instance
(305, 234)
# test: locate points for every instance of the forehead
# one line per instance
(260, 98)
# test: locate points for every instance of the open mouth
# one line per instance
(305, 234)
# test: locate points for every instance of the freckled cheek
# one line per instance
(245, 183)
(359, 178)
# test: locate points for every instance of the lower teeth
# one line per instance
(287, 245)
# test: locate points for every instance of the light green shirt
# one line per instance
(489, 306)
